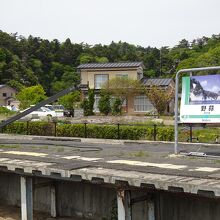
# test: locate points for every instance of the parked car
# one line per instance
(59, 109)
(42, 112)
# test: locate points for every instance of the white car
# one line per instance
(59, 109)
(42, 112)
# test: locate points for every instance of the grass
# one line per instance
(2, 146)
(164, 117)
(39, 147)
(60, 149)
(206, 135)
(139, 154)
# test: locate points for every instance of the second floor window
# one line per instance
(100, 80)
(4, 94)
(122, 75)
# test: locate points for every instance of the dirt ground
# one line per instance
(13, 213)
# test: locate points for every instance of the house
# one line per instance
(7, 96)
(94, 75)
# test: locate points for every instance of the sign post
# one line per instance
(195, 96)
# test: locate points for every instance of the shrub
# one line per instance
(6, 111)
(85, 106)
(88, 104)
(131, 132)
(104, 104)
(41, 128)
(117, 106)
(16, 128)
(70, 130)
(165, 133)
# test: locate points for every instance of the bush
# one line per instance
(117, 106)
(41, 128)
(5, 111)
(132, 132)
(16, 128)
(34, 128)
(85, 106)
(104, 104)
(70, 130)
(88, 103)
(165, 133)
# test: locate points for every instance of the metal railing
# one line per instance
(187, 132)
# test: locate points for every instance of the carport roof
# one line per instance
(157, 81)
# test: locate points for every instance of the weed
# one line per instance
(140, 154)
(60, 149)
(9, 146)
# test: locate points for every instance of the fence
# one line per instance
(155, 132)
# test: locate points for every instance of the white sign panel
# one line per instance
(200, 101)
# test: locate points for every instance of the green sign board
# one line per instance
(200, 101)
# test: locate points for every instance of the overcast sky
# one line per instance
(140, 22)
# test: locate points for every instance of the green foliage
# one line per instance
(16, 128)
(70, 100)
(31, 61)
(5, 111)
(123, 87)
(15, 84)
(91, 99)
(132, 132)
(41, 128)
(104, 104)
(160, 97)
(70, 130)
(85, 106)
(88, 103)
(31, 96)
(117, 106)
(165, 133)
(102, 60)
(34, 128)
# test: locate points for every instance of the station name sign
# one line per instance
(200, 101)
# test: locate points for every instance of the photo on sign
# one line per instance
(204, 90)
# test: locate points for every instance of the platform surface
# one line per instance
(150, 164)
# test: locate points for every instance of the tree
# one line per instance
(85, 106)
(88, 103)
(123, 87)
(70, 100)
(31, 96)
(160, 97)
(117, 106)
(15, 84)
(104, 103)
(91, 101)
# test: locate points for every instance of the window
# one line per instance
(142, 104)
(122, 75)
(96, 103)
(4, 94)
(100, 80)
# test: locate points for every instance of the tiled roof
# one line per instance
(109, 65)
(157, 81)
(2, 86)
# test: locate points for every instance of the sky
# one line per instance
(209, 82)
(153, 23)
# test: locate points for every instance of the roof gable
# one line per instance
(4, 85)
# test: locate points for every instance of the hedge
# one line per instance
(132, 132)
